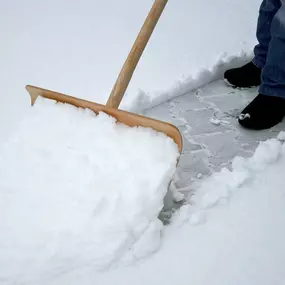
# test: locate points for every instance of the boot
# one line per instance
(263, 112)
(246, 76)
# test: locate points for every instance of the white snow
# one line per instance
(78, 48)
(70, 215)
(178, 197)
(79, 190)
(239, 241)
(244, 116)
(215, 121)
(199, 176)
(281, 136)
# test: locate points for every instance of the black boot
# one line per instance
(263, 112)
(243, 77)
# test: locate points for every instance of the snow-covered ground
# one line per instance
(78, 47)
(232, 233)
(228, 224)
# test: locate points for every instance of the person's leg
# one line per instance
(273, 72)
(267, 11)
(268, 108)
(250, 74)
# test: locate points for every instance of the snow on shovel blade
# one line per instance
(127, 118)
(111, 107)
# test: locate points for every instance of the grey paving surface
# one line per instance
(212, 137)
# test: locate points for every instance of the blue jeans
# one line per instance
(270, 51)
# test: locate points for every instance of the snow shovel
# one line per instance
(111, 108)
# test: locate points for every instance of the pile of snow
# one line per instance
(79, 190)
(233, 232)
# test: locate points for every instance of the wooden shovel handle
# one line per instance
(134, 56)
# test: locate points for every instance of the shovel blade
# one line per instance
(127, 118)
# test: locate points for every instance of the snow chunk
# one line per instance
(79, 190)
(281, 136)
(244, 116)
(215, 122)
(178, 196)
(199, 176)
